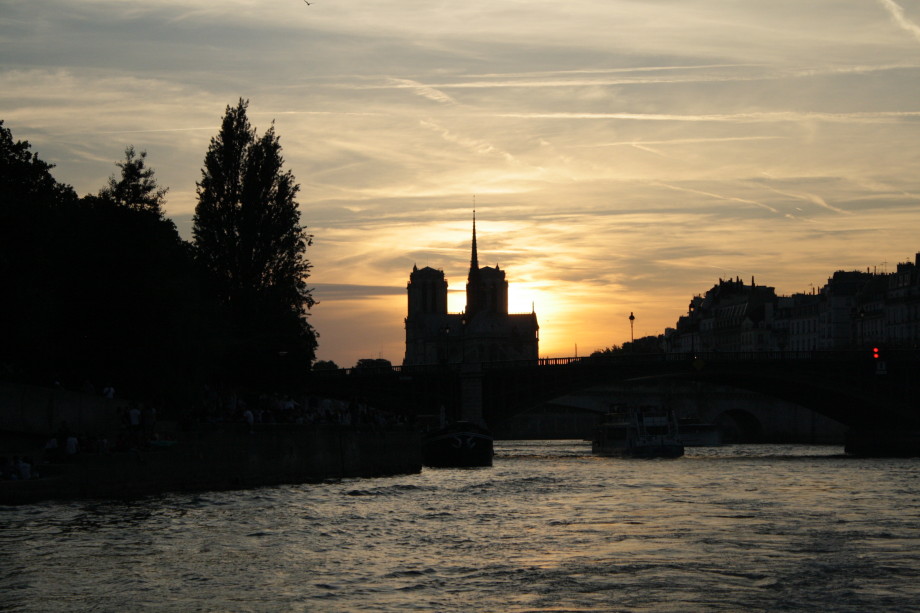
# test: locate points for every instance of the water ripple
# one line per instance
(548, 528)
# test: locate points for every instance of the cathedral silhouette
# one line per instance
(483, 332)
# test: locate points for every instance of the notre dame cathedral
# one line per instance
(484, 332)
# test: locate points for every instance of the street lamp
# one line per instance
(463, 323)
(445, 358)
(691, 309)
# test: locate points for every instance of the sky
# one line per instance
(622, 156)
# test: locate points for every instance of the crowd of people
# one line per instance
(228, 405)
(19, 468)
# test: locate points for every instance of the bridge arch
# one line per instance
(844, 387)
(739, 426)
(744, 415)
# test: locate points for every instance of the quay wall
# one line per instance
(40, 411)
(190, 457)
(228, 457)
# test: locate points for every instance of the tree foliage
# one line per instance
(645, 345)
(35, 218)
(248, 236)
(321, 365)
(25, 179)
(93, 291)
(102, 288)
(135, 188)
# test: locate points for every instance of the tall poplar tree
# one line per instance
(248, 236)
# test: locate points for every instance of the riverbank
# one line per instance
(226, 456)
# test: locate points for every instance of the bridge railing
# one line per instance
(632, 359)
(660, 358)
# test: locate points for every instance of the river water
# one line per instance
(548, 528)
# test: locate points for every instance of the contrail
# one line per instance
(897, 13)
(813, 198)
(752, 117)
(721, 197)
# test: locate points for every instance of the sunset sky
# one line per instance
(623, 155)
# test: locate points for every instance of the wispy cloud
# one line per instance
(897, 15)
(342, 291)
(806, 197)
(721, 197)
(683, 141)
(481, 147)
(718, 73)
(424, 91)
(753, 117)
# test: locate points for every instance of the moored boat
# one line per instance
(458, 445)
(638, 432)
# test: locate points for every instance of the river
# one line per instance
(548, 528)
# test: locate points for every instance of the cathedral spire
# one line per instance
(474, 289)
(474, 258)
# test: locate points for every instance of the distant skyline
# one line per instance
(623, 155)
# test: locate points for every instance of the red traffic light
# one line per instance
(875, 353)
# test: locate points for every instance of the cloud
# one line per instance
(424, 91)
(344, 291)
(812, 198)
(480, 147)
(751, 117)
(721, 197)
(684, 141)
(900, 19)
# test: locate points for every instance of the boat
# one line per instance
(460, 444)
(638, 432)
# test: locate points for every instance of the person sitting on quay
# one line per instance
(17, 469)
(24, 468)
(149, 421)
(71, 447)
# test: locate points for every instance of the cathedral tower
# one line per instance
(484, 332)
(427, 291)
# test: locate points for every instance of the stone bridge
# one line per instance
(872, 397)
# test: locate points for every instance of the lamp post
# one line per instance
(691, 309)
(862, 327)
(463, 339)
(446, 348)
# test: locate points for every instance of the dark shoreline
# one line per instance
(225, 457)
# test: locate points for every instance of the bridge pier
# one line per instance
(471, 393)
(883, 443)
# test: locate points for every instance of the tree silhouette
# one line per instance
(320, 365)
(93, 290)
(36, 219)
(135, 188)
(248, 236)
(25, 179)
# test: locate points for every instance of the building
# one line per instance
(483, 332)
(854, 310)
